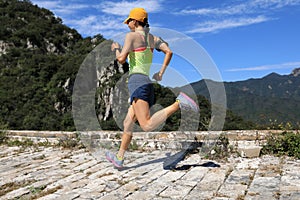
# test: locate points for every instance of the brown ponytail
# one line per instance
(146, 25)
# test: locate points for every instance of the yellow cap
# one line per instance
(138, 14)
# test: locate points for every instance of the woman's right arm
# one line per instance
(121, 55)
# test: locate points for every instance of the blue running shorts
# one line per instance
(141, 87)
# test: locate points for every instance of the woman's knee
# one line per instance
(146, 127)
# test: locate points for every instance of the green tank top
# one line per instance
(140, 59)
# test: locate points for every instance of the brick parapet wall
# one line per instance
(233, 135)
(247, 142)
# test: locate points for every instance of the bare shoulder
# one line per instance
(130, 35)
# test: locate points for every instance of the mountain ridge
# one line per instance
(261, 100)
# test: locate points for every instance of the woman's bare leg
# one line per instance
(140, 111)
(127, 134)
(147, 122)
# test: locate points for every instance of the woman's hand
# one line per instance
(157, 76)
(115, 45)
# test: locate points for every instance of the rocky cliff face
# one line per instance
(296, 72)
(4, 47)
(39, 61)
(112, 89)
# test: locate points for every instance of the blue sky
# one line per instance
(244, 38)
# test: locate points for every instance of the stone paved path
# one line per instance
(54, 173)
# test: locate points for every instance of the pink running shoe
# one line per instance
(187, 103)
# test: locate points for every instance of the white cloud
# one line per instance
(61, 8)
(105, 17)
(231, 10)
(69, 9)
(46, 4)
(242, 14)
(214, 26)
(248, 7)
(123, 8)
(92, 25)
(288, 65)
(274, 4)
